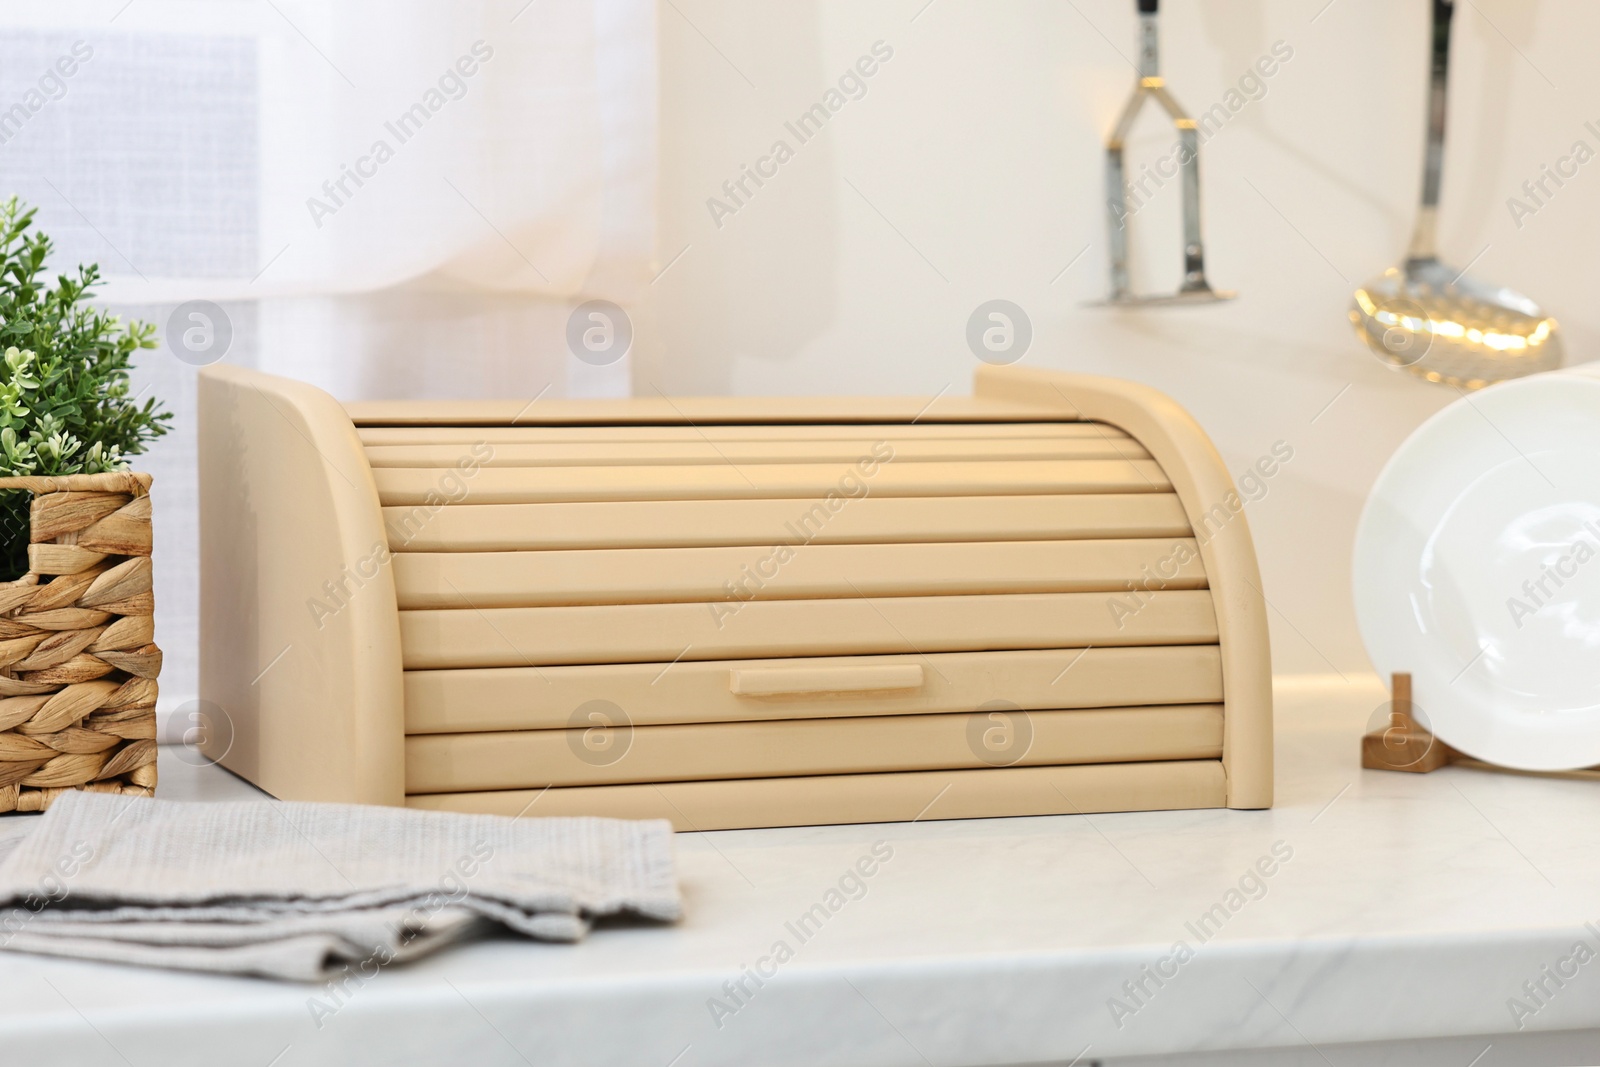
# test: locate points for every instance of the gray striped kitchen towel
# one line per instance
(309, 891)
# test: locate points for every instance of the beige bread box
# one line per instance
(732, 612)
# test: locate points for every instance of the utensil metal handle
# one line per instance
(1149, 40)
(1423, 239)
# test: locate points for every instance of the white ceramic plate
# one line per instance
(1477, 569)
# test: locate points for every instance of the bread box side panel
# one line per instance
(300, 649)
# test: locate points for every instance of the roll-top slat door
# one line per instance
(789, 600)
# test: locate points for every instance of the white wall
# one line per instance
(971, 170)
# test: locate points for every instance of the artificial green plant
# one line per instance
(64, 403)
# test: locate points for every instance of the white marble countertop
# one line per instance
(1397, 907)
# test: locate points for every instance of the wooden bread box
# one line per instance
(732, 612)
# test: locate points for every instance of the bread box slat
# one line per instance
(674, 453)
(521, 698)
(532, 759)
(992, 792)
(668, 575)
(471, 527)
(372, 430)
(693, 414)
(663, 633)
(801, 481)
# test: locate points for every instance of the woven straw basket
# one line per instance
(78, 662)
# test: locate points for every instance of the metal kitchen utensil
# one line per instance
(1195, 289)
(1433, 320)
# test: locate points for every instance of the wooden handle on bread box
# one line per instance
(790, 681)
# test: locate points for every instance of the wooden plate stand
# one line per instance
(1406, 745)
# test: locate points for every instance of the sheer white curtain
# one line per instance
(401, 198)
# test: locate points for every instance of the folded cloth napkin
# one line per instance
(310, 891)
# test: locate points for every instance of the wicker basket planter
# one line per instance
(78, 662)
